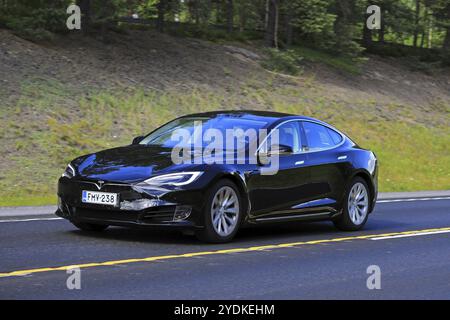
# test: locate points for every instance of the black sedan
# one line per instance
(269, 167)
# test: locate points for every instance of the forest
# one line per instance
(408, 27)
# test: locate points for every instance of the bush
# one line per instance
(446, 58)
(37, 24)
(287, 61)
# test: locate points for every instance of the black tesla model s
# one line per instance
(283, 168)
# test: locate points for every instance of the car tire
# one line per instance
(221, 218)
(90, 226)
(355, 210)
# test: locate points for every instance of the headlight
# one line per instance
(70, 171)
(174, 179)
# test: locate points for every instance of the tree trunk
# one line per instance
(271, 37)
(289, 29)
(342, 25)
(266, 16)
(196, 12)
(446, 45)
(230, 16)
(416, 23)
(242, 19)
(430, 32)
(105, 17)
(277, 24)
(422, 39)
(85, 8)
(161, 11)
(381, 32)
(367, 33)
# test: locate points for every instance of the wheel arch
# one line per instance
(239, 181)
(368, 179)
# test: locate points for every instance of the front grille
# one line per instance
(163, 214)
(155, 215)
(106, 215)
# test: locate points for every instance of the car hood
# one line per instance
(128, 164)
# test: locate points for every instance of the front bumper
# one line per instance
(137, 207)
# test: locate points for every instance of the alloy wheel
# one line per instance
(358, 203)
(225, 211)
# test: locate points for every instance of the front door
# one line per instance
(279, 193)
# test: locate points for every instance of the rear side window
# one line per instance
(336, 137)
(320, 137)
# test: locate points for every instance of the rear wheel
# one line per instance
(90, 226)
(222, 213)
(356, 207)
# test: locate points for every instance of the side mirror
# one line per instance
(137, 140)
(280, 149)
(277, 149)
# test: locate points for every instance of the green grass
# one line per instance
(25, 200)
(291, 61)
(282, 61)
(49, 126)
(343, 63)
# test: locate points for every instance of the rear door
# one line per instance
(327, 162)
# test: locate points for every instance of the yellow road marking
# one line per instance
(216, 252)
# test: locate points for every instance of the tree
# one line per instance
(271, 35)
(441, 13)
(161, 6)
(344, 28)
(367, 33)
(416, 23)
(230, 16)
(85, 8)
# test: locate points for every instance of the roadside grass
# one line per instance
(282, 61)
(24, 200)
(49, 126)
(343, 63)
(291, 61)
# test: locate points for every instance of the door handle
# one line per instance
(342, 158)
(298, 163)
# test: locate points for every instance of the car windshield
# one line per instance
(223, 123)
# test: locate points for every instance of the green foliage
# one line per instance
(343, 63)
(313, 21)
(331, 25)
(287, 61)
(34, 22)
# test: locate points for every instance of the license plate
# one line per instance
(105, 198)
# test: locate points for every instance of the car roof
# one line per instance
(270, 116)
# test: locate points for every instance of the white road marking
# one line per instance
(413, 199)
(410, 235)
(26, 220)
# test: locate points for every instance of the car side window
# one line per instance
(320, 137)
(289, 135)
(336, 137)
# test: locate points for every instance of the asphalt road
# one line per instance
(284, 261)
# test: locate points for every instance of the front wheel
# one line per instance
(222, 213)
(356, 207)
